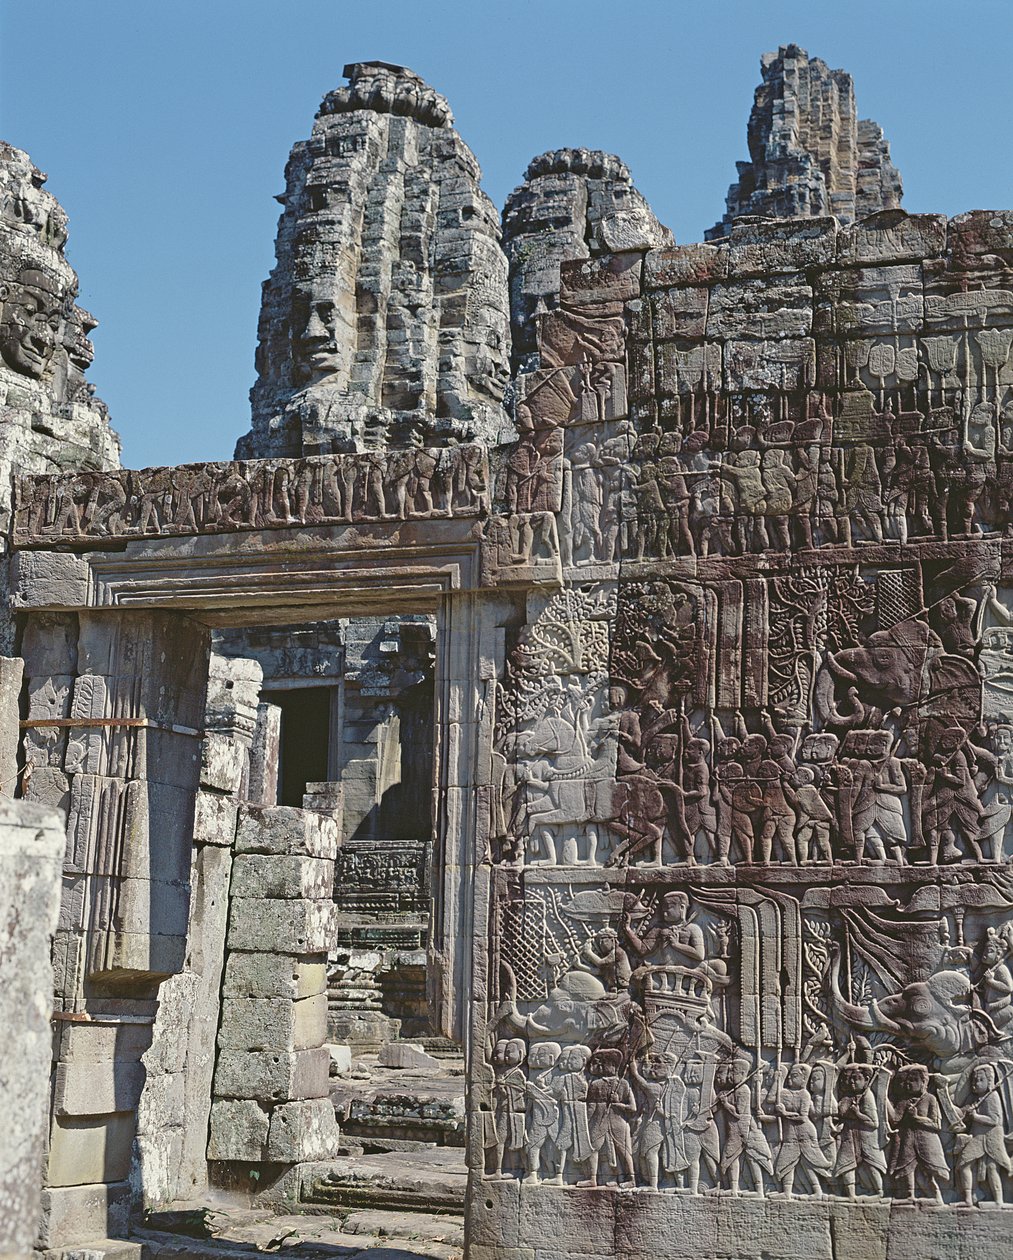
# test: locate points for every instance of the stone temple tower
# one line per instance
(573, 203)
(810, 155)
(385, 319)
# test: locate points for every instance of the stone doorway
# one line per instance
(346, 726)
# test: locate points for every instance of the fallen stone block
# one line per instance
(341, 1057)
(404, 1054)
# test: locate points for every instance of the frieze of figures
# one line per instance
(845, 717)
(411, 484)
(709, 1040)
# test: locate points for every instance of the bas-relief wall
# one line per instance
(751, 914)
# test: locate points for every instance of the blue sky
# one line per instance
(164, 128)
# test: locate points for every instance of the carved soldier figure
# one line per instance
(743, 1141)
(980, 1153)
(675, 495)
(917, 1150)
(799, 1148)
(543, 1110)
(510, 1103)
(701, 1142)
(859, 1151)
(610, 1103)
(813, 817)
(659, 1137)
(950, 799)
(993, 980)
(570, 1086)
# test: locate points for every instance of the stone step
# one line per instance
(97, 1249)
(430, 1226)
(428, 1181)
(307, 1238)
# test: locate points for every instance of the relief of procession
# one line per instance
(753, 924)
(847, 1042)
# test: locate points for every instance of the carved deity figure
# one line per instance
(31, 322)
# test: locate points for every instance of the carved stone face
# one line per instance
(31, 324)
(315, 350)
(544, 1054)
(674, 908)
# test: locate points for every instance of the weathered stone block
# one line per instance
(289, 927)
(261, 975)
(403, 1054)
(74, 1214)
(303, 1130)
(273, 1023)
(280, 876)
(87, 1149)
(11, 672)
(223, 761)
(31, 850)
(238, 1130)
(85, 1088)
(272, 1075)
(282, 829)
(214, 819)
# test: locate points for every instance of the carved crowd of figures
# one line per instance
(883, 736)
(410, 484)
(761, 484)
(627, 1075)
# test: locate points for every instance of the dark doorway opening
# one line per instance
(305, 739)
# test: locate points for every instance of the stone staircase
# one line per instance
(396, 1205)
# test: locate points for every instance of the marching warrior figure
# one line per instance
(700, 1135)
(659, 1137)
(609, 1102)
(743, 1137)
(573, 1140)
(979, 1153)
(510, 1102)
(543, 1110)
(917, 1148)
(859, 1150)
(799, 1148)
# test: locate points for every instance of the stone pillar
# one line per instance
(31, 850)
(175, 1106)
(117, 702)
(271, 1083)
